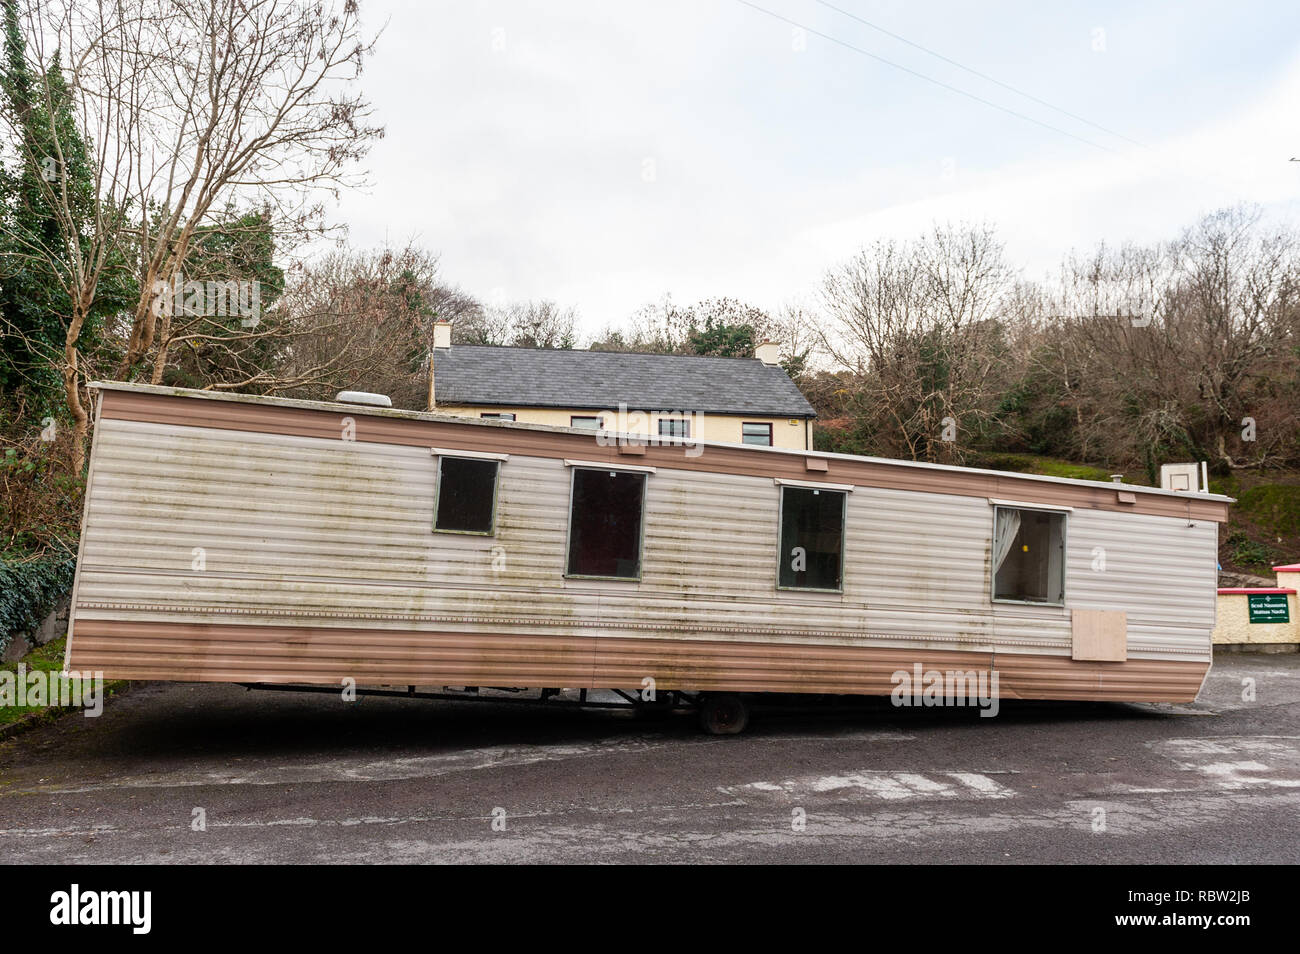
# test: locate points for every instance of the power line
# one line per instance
(983, 76)
(923, 76)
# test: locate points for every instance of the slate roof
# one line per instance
(601, 380)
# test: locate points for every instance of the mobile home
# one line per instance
(280, 542)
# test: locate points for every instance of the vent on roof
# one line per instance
(363, 397)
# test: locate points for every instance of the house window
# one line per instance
(1028, 556)
(466, 499)
(591, 422)
(504, 416)
(674, 427)
(605, 512)
(812, 539)
(755, 433)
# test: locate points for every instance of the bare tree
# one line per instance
(251, 98)
(536, 324)
(190, 106)
(721, 326)
(918, 326)
(1181, 347)
(659, 328)
(364, 319)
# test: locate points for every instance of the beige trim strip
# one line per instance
(473, 455)
(607, 465)
(1021, 505)
(812, 484)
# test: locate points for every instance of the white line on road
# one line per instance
(892, 786)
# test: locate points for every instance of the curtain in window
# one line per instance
(1007, 525)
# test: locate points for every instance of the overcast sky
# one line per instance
(605, 154)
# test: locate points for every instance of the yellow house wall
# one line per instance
(1233, 623)
(789, 433)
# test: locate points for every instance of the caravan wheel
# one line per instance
(723, 714)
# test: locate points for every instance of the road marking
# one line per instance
(419, 818)
(890, 786)
(710, 830)
(353, 768)
(1237, 762)
(345, 769)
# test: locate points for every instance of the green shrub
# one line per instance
(1248, 552)
(28, 591)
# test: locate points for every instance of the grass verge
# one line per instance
(47, 658)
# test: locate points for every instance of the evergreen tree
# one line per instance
(47, 203)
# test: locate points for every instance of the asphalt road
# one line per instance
(308, 778)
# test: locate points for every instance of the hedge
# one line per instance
(28, 591)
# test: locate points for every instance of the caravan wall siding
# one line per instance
(239, 541)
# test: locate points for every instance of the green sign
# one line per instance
(1268, 608)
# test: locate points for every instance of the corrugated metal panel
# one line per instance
(1142, 680)
(335, 536)
(1161, 571)
(312, 654)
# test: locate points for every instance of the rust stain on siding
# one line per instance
(204, 652)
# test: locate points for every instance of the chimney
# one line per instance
(442, 334)
(441, 339)
(432, 400)
(769, 352)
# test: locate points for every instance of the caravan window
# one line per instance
(466, 499)
(1028, 556)
(605, 512)
(812, 539)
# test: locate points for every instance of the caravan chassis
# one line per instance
(719, 713)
